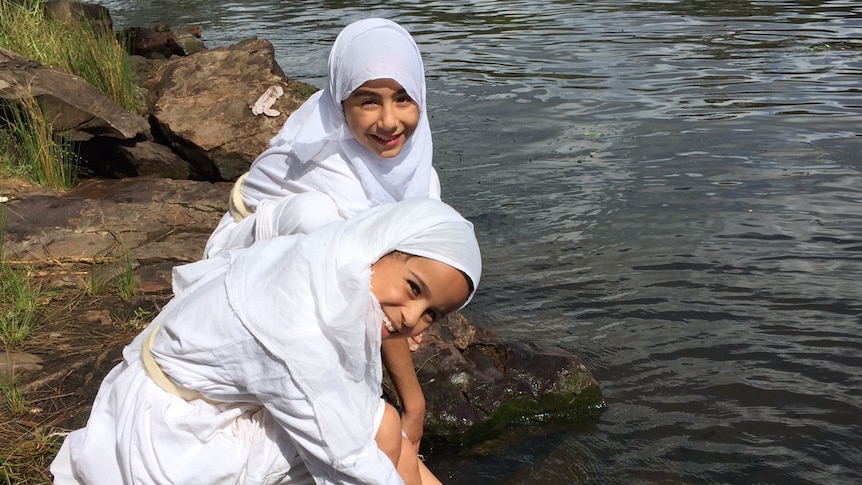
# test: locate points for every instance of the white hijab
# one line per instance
(365, 50)
(307, 298)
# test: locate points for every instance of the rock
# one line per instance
(161, 42)
(75, 12)
(476, 385)
(158, 223)
(15, 363)
(202, 109)
(77, 110)
(202, 106)
(109, 157)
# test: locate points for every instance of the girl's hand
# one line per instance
(413, 342)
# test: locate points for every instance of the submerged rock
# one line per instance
(476, 384)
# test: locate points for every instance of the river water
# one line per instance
(670, 189)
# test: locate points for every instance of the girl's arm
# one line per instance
(254, 371)
(399, 363)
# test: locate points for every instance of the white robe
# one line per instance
(284, 339)
(314, 152)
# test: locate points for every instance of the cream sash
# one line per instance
(159, 377)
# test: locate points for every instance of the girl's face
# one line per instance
(381, 116)
(414, 292)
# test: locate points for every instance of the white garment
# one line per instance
(285, 337)
(315, 152)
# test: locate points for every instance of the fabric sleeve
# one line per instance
(295, 214)
(270, 380)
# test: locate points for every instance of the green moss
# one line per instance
(574, 410)
(305, 90)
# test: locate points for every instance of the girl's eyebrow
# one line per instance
(364, 92)
(368, 92)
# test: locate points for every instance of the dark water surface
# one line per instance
(671, 189)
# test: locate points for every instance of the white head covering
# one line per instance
(306, 298)
(365, 50)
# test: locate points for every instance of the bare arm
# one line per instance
(399, 363)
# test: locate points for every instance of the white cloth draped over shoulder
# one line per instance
(315, 152)
(284, 339)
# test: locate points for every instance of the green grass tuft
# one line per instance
(29, 148)
(84, 50)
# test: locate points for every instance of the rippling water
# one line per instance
(670, 189)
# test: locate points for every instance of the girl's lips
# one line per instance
(388, 328)
(387, 142)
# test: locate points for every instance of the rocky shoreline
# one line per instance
(157, 186)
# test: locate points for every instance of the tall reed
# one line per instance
(86, 50)
(48, 157)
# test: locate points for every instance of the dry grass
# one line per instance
(79, 338)
(26, 452)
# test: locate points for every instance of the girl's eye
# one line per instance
(414, 288)
(366, 102)
(404, 99)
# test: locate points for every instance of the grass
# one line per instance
(20, 296)
(34, 150)
(13, 397)
(116, 277)
(88, 51)
(25, 459)
(28, 146)
(126, 280)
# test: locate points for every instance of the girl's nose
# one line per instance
(413, 315)
(388, 121)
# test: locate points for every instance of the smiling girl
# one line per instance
(265, 367)
(362, 141)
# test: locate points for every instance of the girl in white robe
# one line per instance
(316, 171)
(276, 349)
(316, 159)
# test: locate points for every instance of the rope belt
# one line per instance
(237, 206)
(159, 377)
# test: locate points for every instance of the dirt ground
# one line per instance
(78, 339)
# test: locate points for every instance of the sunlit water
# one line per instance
(670, 189)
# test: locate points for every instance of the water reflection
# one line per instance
(671, 189)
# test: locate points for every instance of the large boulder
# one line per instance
(476, 385)
(76, 109)
(158, 223)
(202, 106)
